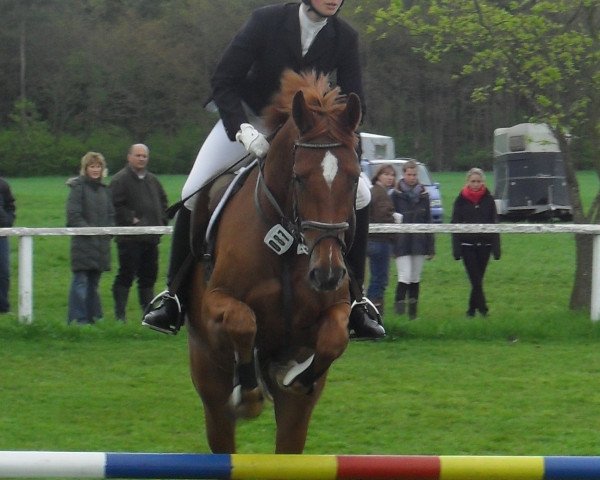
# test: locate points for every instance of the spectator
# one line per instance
(89, 205)
(475, 204)
(379, 249)
(7, 219)
(140, 201)
(411, 249)
(298, 36)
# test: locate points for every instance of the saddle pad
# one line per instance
(234, 186)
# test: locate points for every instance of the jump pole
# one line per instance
(33, 464)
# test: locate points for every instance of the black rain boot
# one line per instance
(400, 302)
(379, 305)
(165, 312)
(364, 319)
(145, 296)
(413, 300)
(120, 295)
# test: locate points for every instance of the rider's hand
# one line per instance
(254, 141)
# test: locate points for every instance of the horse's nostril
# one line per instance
(326, 279)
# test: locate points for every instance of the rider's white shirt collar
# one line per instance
(308, 28)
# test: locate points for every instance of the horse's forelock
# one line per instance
(326, 102)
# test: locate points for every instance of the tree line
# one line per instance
(99, 75)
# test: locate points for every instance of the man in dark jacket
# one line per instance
(140, 201)
(7, 219)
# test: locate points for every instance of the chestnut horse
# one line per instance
(271, 316)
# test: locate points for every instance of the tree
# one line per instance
(546, 52)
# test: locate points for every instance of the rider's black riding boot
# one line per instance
(364, 317)
(165, 312)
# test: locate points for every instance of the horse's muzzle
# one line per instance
(327, 279)
(327, 268)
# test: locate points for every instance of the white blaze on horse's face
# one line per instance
(330, 167)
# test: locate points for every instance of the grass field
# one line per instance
(523, 381)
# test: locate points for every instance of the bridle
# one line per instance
(276, 238)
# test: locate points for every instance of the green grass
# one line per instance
(523, 381)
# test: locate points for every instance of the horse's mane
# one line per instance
(325, 102)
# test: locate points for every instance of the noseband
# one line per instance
(281, 237)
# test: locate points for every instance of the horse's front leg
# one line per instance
(213, 383)
(292, 415)
(237, 321)
(331, 341)
(294, 403)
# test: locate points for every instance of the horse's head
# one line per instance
(318, 125)
(325, 177)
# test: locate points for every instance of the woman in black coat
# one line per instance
(89, 205)
(411, 249)
(475, 204)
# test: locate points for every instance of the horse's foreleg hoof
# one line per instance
(247, 403)
(288, 375)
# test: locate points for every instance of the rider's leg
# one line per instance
(364, 318)
(216, 155)
(166, 317)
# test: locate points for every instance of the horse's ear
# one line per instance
(301, 114)
(353, 111)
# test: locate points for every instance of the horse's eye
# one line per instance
(298, 181)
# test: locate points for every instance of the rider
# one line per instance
(299, 36)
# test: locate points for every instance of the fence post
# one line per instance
(25, 279)
(595, 302)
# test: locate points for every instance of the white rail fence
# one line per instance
(25, 255)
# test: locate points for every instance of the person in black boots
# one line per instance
(140, 201)
(298, 36)
(475, 204)
(411, 249)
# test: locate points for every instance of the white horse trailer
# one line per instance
(529, 174)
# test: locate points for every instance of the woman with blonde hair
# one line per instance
(89, 205)
(411, 249)
(475, 204)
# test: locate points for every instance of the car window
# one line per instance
(424, 177)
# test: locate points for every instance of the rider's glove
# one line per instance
(254, 141)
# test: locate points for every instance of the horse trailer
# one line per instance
(529, 174)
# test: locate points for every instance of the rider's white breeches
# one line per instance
(218, 154)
